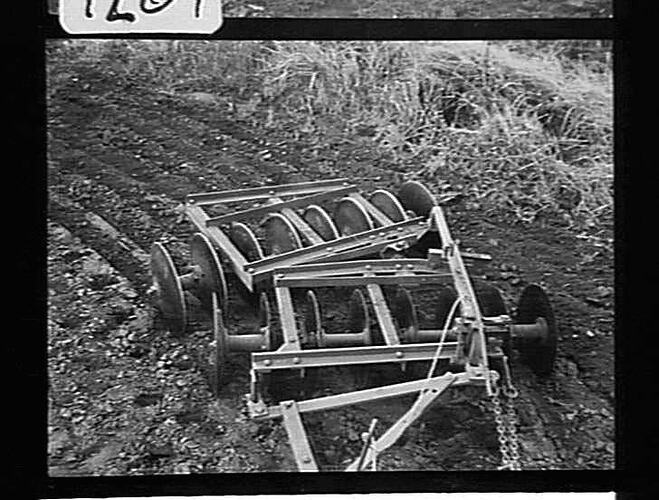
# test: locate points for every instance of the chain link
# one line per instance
(506, 421)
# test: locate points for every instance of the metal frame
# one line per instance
(270, 199)
(468, 343)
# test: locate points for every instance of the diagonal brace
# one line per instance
(425, 398)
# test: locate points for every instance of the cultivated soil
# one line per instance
(127, 397)
(446, 9)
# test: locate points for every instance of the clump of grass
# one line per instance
(522, 131)
(525, 135)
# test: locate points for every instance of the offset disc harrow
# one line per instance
(306, 250)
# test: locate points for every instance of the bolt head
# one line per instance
(399, 354)
(296, 360)
(267, 362)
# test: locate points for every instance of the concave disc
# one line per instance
(538, 354)
(321, 222)
(416, 197)
(358, 314)
(280, 234)
(404, 312)
(351, 217)
(169, 292)
(388, 204)
(211, 279)
(246, 242)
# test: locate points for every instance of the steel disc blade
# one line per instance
(358, 314)
(538, 354)
(280, 234)
(246, 242)
(211, 278)
(404, 311)
(388, 204)
(169, 292)
(351, 217)
(416, 197)
(321, 222)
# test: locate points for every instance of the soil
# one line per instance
(436, 9)
(126, 397)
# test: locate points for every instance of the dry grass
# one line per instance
(521, 128)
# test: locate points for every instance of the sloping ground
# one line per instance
(442, 9)
(127, 398)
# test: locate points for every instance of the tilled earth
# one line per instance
(126, 397)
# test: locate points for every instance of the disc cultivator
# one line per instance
(367, 246)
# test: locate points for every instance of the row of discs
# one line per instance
(350, 217)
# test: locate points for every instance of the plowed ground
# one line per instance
(126, 397)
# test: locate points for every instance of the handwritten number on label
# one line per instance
(146, 6)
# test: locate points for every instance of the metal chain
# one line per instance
(506, 422)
